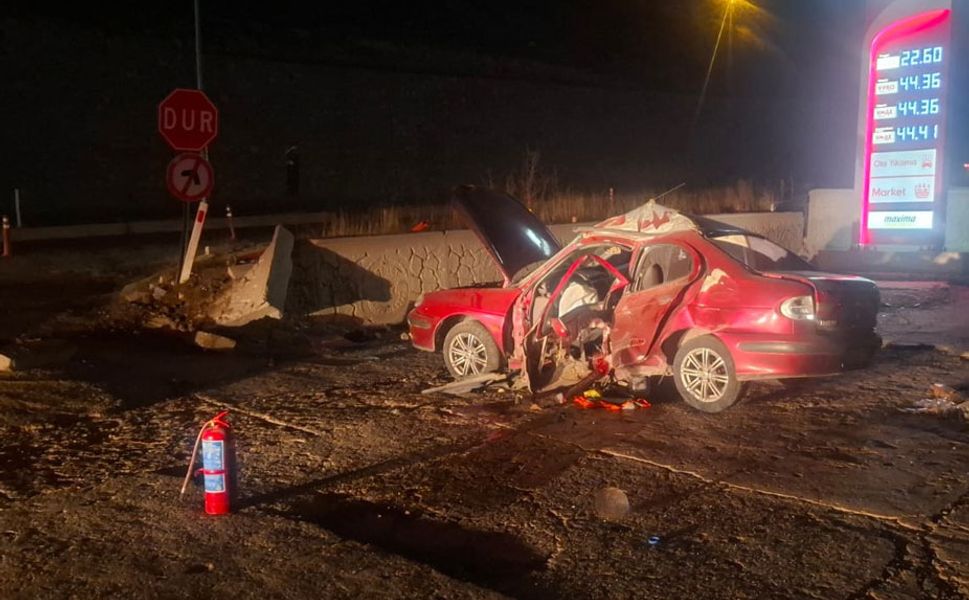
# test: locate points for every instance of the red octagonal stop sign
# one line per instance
(188, 120)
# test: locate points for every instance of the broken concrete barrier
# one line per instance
(261, 291)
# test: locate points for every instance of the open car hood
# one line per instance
(513, 236)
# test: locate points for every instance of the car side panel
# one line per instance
(742, 310)
(489, 306)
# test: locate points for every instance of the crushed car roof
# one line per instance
(653, 219)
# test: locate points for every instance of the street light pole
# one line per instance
(713, 57)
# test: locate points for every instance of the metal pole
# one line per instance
(185, 270)
(16, 206)
(198, 47)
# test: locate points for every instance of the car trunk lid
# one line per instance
(844, 302)
(512, 235)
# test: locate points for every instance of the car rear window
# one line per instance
(760, 254)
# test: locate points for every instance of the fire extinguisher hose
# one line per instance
(218, 419)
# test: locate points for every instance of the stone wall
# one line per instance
(375, 279)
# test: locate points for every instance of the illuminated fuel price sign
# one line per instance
(905, 141)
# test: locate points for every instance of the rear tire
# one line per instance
(469, 350)
(706, 376)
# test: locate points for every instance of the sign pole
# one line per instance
(16, 206)
(193, 241)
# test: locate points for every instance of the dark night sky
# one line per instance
(661, 45)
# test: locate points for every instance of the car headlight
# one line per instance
(799, 308)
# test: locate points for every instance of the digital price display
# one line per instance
(903, 192)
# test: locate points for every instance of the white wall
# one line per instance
(957, 221)
(834, 218)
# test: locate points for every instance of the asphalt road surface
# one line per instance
(354, 484)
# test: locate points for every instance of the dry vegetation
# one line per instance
(553, 203)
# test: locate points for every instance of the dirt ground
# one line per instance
(353, 484)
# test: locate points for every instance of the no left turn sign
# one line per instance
(189, 177)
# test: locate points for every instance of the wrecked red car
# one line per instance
(650, 294)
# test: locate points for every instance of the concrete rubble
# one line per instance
(212, 341)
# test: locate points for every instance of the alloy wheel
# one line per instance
(704, 375)
(468, 354)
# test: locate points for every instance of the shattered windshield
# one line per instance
(760, 254)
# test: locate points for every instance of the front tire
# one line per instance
(706, 376)
(469, 350)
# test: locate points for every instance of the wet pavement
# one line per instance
(354, 484)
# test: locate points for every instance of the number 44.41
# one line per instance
(917, 133)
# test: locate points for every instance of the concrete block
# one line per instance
(212, 341)
(262, 290)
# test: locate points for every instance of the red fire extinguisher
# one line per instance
(218, 462)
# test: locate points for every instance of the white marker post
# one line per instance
(193, 242)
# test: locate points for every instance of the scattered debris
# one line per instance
(157, 292)
(593, 399)
(945, 401)
(159, 322)
(941, 390)
(611, 503)
(212, 341)
(463, 387)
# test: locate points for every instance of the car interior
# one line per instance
(580, 308)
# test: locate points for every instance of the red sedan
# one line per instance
(653, 293)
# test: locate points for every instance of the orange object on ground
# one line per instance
(422, 226)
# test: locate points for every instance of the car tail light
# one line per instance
(799, 308)
(828, 309)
